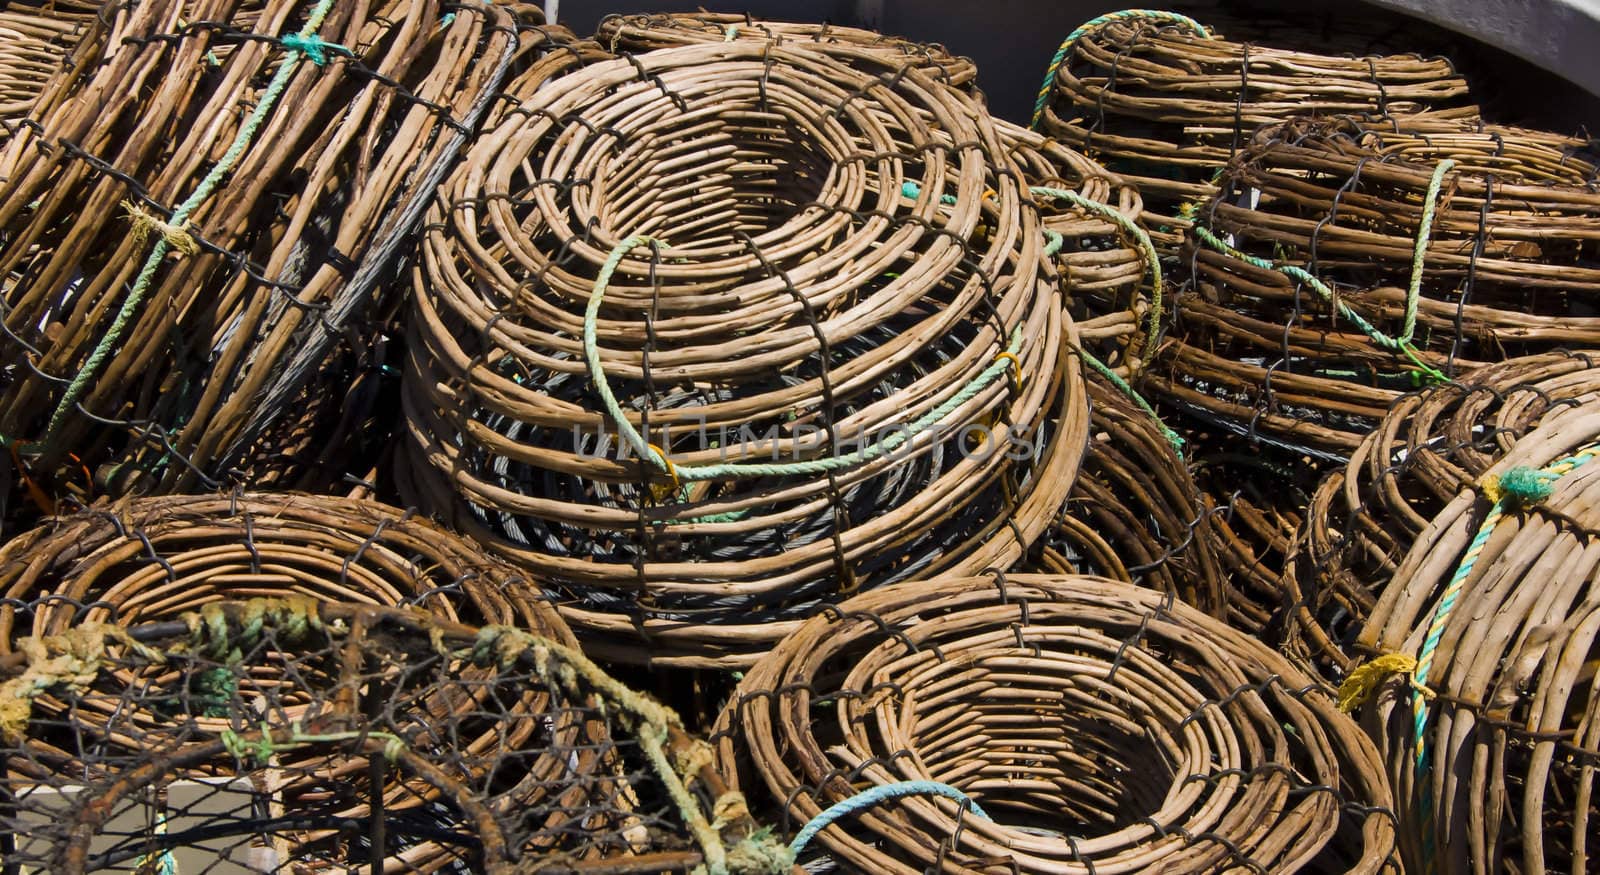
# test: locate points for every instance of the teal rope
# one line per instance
(1147, 249)
(305, 43)
(873, 796)
(734, 470)
(1116, 380)
(1092, 24)
(1514, 487)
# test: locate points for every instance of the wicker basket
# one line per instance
(252, 735)
(1156, 100)
(1097, 727)
(1134, 513)
(33, 46)
(1494, 734)
(1302, 326)
(644, 33)
(840, 347)
(1366, 517)
(198, 222)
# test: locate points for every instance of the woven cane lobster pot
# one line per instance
(32, 47)
(826, 375)
(192, 269)
(1331, 276)
(1494, 734)
(156, 558)
(1097, 726)
(1134, 513)
(1364, 518)
(1157, 98)
(1090, 218)
(321, 703)
(644, 33)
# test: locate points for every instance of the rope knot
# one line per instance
(313, 47)
(144, 222)
(1365, 679)
(1517, 487)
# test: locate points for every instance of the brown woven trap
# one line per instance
(196, 222)
(1134, 513)
(1302, 326)
(34, 44)
(284, 735)
(820, 301)
(1432, 445)
(1075, 724)
(644, 33)
(1495, 735)
(1166, 105)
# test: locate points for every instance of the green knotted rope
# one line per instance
(1092, 24)
(734, 470)
(1401, 344)
(306, 44)
(263, 749)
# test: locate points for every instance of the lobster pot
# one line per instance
(632, 34)
(1314, 306)
(1490, 617)
(192, 270)
(34, 44)
(707, 338)
(1090, 218)
(1076, 723)
(1162, 100)
(286, 735)
(1134, 513)
(1432, 445)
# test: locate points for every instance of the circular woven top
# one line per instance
(1103, 727)
(841, 316)
(643, 33)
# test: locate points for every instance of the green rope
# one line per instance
(1403, 343)
(1147, 249)
(1092, 24)
(734, 470)
(1122, 385)
(263, 749)
(306, 43)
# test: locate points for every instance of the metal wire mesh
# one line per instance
(1103, 727)
(837, 257)
(290, 736)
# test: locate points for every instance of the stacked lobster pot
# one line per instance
(197, 227)
(1043, 724)
(708, 337)
(1479, 677)
(1341, 266)
(288, 683)
(1161, 99)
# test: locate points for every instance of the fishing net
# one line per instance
(197, 223)
(853, 46)
(1364, 518)
(1342, 266)
(707, 337)
(1157, 98)
(285, 735)
(1492, 734)
(1052, 724)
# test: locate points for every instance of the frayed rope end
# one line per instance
(144, 222)
(1365, 679)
